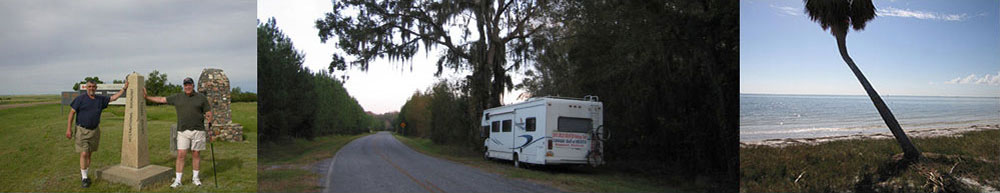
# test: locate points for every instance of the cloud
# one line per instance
(986, 79)
(786, 10)
(896, 12)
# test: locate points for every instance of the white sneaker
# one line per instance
(197, 182)
(175, 184)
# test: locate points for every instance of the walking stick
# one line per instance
(210, 143)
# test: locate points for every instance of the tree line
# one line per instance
(157, 84)
(238, 95)
(442, 114)
(297, 103)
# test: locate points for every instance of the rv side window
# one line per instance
(571, 124)
(485, 131)
(529, 124)
(506, 125)
(496, 126)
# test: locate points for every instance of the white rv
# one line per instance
(546, 131)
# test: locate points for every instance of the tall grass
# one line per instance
(872, 165)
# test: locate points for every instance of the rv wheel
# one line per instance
(517, 163)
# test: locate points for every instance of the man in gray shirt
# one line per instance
(192, 111)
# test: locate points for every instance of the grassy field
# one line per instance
(286, 167)
(18, 99)
(872, 165)
(565, 178)
(37, 157)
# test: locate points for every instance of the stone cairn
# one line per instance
(215, 86)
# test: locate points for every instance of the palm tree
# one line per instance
(838, 16)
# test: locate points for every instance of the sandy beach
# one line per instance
(922, 133)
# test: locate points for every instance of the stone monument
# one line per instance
(215, 86)
(135, 169)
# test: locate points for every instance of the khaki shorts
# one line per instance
(87, 140)
(191, 139)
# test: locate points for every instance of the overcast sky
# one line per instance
(46, 46)
(386, 86)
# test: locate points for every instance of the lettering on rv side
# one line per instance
(572, 140)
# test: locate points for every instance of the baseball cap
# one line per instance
(188, 80)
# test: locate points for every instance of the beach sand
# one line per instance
(935, 132)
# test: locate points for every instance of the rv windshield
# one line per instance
(571, 124)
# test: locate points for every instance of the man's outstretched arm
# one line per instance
(155, 99)
(120, 92)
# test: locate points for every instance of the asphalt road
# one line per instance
(380, 163)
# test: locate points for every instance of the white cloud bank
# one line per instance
(896, 12)
(888, 12)
(786, 10)
(986, 79)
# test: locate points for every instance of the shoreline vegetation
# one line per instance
(919, 133)
(963, 159)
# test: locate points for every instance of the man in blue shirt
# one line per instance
(87, 109)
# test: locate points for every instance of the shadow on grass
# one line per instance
(931, 168)
(222, 164)
(552, 169)
(887, 170)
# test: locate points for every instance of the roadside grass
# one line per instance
(873, 165)
(19, 99)
(565, 178)
(37, 157)
(285, 167)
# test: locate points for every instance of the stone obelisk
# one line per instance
(135, 169)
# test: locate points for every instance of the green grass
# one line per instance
(18, 99)
(565, 178)
(37, 157)
(869, 165)
(285, 167)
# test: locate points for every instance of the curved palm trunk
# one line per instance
(910, 151)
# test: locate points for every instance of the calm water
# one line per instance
(765, 116)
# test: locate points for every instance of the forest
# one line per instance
(296, 103)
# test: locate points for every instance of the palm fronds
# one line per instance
(840, 14)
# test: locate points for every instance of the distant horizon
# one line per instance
(911, 95)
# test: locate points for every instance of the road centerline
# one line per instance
(380, 150)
